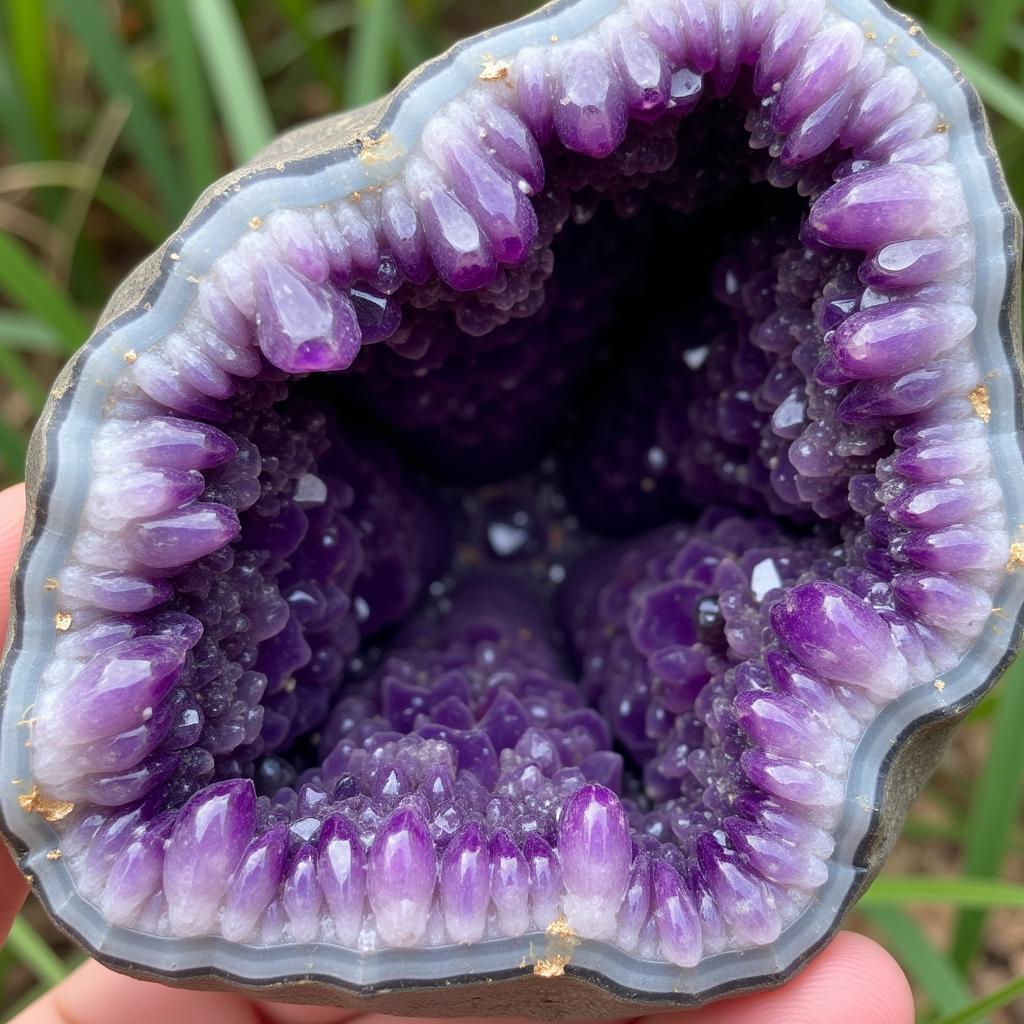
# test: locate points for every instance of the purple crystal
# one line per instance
(401, 880)
(342, 873)
(464, 883)
(594, 850)
(209, 838)
(255, 883)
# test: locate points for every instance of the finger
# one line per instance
(12, 513)
(852, 981)
(95, 995)
(13, 890)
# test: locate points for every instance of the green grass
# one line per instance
(113, 117)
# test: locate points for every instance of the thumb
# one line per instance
(12, 513)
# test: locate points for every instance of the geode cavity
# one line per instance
(520, 547)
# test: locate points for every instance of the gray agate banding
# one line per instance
(521, 546)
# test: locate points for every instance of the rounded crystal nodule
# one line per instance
(538, 550)
(401, 877)
(207, 842)
(595, 851)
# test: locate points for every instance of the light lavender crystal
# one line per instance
(536, 528)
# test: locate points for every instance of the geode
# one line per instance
(520, 547)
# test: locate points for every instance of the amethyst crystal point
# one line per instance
(434, 593)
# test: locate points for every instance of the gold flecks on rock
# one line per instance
(561, 929)
(939, 684)
(62, 621)
(379, 149)
(494, 70)
(1016, 559)
(53, 855)
(130, 356)
(174, 256)
(33, 802)
(979, 402)
(255, 223)
(50, 583)
(563, 939)
(550, 966)
(942, 127)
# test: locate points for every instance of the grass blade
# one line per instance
(301, 15)
(13, 448)
(1002, 996)
(18, 376)
(118, 198)
(369, 57)
(25, 332)
(925, 964)
(193, 111)
(150, 224)
(952, 890)
(89, 21)
(15, 123)
(327, 20)
(996, 17)
(992, 811)
(25, 284)
(34, 952)
(236, 85)
(998, 91)
(947, 15)
(30, 52)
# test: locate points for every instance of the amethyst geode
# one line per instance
(520, 547)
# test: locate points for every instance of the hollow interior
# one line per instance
(570, 597)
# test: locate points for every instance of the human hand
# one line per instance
(853, 981)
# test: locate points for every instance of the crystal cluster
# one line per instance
(701, 280)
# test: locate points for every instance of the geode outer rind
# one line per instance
(894, 757)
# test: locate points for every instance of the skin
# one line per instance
(853, 981)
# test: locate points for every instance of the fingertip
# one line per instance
(12, 516)
(13, 890)
(95, 995)
(852, 981)
(293, 1013)
(858, 969)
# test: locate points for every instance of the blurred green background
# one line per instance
(115, 115)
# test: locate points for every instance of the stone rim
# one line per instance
(862, 841)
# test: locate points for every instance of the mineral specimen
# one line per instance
(523, 545)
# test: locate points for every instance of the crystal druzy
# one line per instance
(521, 546)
